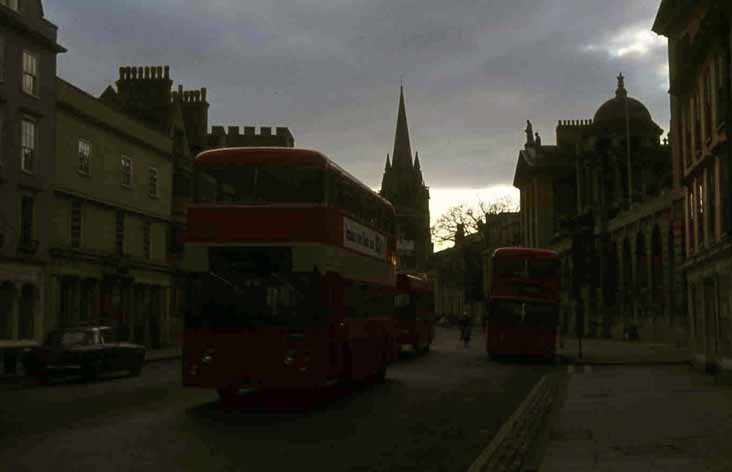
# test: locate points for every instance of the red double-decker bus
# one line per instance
(523, 308)
(293, 284)
(415, 312)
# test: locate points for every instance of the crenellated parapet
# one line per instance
(191, 96)
(571, 132)
(574, 123)
(144, 73)
(232, 136)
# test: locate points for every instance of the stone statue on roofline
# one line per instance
(529, 133)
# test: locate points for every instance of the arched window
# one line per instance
(641, 261)
(657, 265)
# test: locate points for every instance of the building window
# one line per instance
(697, 125)
(119, 240)
(2, 136)
(126, 164)
(691, 220)
(146, 236)
(700, 212)
(722, 90)
(30, 73)
(76, 224)
(724, 194)
(711, 203)
(27, 204)
(85, 151)
(153, 182)
(12, 4)
(708, 125)
(2, 59)
(687, 126)
(28, 145)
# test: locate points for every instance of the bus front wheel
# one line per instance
(227, 395)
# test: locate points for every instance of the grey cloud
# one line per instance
(474, 70)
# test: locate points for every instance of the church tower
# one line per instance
(403, 185)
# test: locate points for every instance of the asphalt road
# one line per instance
(435, 413)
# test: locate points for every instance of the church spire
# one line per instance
(387, 167)
(416, 161)
(402, 149)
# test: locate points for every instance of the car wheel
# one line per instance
(90, 370)
(380, 376)
(227, 395)
(137, 369)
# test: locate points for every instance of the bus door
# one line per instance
(337, 330)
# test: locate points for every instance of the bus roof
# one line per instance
(526, 251)
(414, 280)
(284, 155)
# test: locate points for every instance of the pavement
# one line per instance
(629, 406)
(435, 412)
(616, 352)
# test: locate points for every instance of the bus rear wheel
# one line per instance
(380, 376)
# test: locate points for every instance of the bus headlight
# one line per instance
(290, 358)
(208, 356)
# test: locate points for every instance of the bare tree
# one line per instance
(447, 224)
(472, 219)
(500, 205)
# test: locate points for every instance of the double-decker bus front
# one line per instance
(415, 312)
(524, 303)
(272, 277)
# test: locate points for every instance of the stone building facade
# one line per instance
(452, 270)
(145, 94)
(111, 215)
(602, 197)
(403, 185)
(700, 50)
(28, 50)
(500, 230)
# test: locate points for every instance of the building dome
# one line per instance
(612, 113)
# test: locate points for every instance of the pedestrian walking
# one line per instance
(465, 328)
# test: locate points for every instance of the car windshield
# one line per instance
(70, 338)
(405, 307)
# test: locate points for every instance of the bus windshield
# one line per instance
(273, 183)
(517, 313)
(517, 266)
(253, 285)
(404, 307)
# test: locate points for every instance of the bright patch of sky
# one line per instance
(637, 41)
(442, 199)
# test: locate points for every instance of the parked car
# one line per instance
(88, 351)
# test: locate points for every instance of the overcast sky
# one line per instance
(474, 71)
